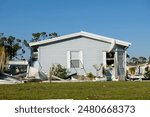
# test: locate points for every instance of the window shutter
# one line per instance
(104, 59)
(81, 59)
(68, 59)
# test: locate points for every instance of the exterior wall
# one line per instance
(121, 57)
(119, 69)
(56, 53)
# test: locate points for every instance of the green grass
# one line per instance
(83, 91)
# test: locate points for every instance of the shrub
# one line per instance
(132, 70)
(90, 75)
(59, 71)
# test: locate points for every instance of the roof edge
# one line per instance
(81, 33)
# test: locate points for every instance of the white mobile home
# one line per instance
(79, 52)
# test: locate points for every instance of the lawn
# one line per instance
(82, 90)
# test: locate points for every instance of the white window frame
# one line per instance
(105, 58)
(69, 58)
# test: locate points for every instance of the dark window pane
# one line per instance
(110, 55)
(110, 58)
(110, 62)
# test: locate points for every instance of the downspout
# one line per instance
(112, 46)
(113, 43)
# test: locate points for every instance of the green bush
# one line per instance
(59, 71)
(90, 75)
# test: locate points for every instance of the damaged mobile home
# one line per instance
(82, 53)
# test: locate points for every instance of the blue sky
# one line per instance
(128, 20)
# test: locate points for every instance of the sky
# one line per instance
(127, 20)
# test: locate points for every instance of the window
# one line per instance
(110, 58)
(75, 59)
(75, 63)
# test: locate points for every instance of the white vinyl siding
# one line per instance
(59, 53)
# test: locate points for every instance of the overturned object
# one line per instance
(37, 74)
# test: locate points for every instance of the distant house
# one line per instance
(79, 52)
